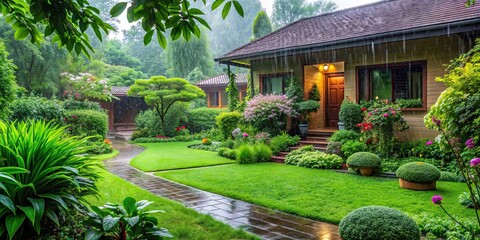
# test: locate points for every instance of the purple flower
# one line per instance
(437, 199)
(470, 144)
(385, 114)
(245, 135)
(370, 114)
(436, 121)
(428, 143)
(474, 162)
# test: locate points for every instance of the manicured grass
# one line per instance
(319, 194)
(182, 222)
(106, 156)
(174, 155)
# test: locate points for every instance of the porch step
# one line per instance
(323, 149)
(313, 138)
(277, 159)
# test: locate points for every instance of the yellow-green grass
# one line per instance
(175, 155)
(325, 195)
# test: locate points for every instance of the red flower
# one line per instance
(183, 127)
(178, 128)
(364, 109)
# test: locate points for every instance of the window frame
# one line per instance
(422, 63)
(210, 93)
(280, 74)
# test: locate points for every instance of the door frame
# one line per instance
(326, 84)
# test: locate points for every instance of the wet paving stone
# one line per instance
(264, 222)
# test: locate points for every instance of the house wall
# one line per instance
(220, 90)
(436, 52)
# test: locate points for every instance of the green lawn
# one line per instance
(174, 155)
(182, 222)
(319, 194)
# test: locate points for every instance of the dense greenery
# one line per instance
(376, 222)
(232, 92)
(26, 108)
(199, 119)
(308, 157)
(7, 81)
(282, 142)
(364, 159)
(419, 172)
(86, 123)
(261, 25)
(227, 122)
(288, 11)
(350, 114)
(343, 136)
(44, 177)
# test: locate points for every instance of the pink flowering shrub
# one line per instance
(269, 113)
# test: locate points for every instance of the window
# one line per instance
(213, 96)
(274, 83)
(244, 94)
(392, 82)
(224, 98)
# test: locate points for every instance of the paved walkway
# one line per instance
(266, 223)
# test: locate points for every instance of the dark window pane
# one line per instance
(363, 84)
(274, 84)
(224, 98)
(381, 80)
(214, 99)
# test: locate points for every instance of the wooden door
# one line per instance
(335, 95)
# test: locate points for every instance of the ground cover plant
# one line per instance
(175, 155)
(319, 194)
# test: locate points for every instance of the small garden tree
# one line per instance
(261, 25)
(232, 91)
(162, 93)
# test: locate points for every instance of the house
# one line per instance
(391, 49)
(215, 87)
(122, 111)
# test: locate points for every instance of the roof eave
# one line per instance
(401, 35)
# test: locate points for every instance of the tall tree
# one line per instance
(115, 54)
(183, 57)
(288, 11)
(162, 93)
(261, 25)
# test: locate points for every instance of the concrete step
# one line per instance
(322, 138)
(277, 159)
(283, 154)
(323, 149)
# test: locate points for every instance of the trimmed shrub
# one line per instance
(199, 119)
(352, 146)
(376, 222)
(294, 156)
(321, 160)
(87, 123)
(245, 154)
(364, 159)
(419, 172)
(344, 135)
(227, 153)
(37, 108)
(262, 153)
(350, 114)
(142, 133)
(72, 104)
(282, 142)
(227, 122)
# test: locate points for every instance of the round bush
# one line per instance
(245, 154)
(262, 153)
(419, 172)
(376, 222)
(364, 159)
(87, 123)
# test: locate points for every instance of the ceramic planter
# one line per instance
(366, 171)
(417, 186)
(303, 130)
(341, 126)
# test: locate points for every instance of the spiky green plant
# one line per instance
(47, 176)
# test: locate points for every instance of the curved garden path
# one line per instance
(266, 223)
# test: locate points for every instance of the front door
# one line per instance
(335, 94)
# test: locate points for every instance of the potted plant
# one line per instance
(366, 162)
(304, 109)
(418, 176)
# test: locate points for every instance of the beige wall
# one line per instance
(435, 51)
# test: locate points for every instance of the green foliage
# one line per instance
(246, 154)
(261, 25)
(307, 107)
(195, 75)
(44, 175)
(392, 164)
(445, 227)
(7, 81)
(163, 140)
(130, 220)
(162, 93)
(37, 108)
(314, 94)
(376, 222)
(465, 200)
(293, 90)
(353, 146)
(420, 148)
(450, 177)
(343, 136)
(310, 158)
(363, 159)
(114, 54)
(282, 142)
(289, 11)
(350, 114)
(262, 152)
(227, 153)
(335, 148)
(150, 121)
(213, 134)
(294, 156)
(409, 103)
(85, 123)
(86, 86)
(419, 172)
(121, 75)
(99, 147)
(227, 122)
(72, 104)
(232, 92)
(199, 119)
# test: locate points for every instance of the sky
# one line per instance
(267, 4)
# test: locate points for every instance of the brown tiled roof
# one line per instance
(222, 80)
(372, 20)
(119, 91)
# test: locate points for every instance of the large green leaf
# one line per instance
(132, 221)
(217, 4)
(13, 170)
(52, 216)
(29, 212)
(226, 9)
(56, 198)
(109, 222)
(130, 205)
(148, 37)
(7, 202)
(12, 223)
(93, 234)
(118, 9)
(239, 8)
(39, 207)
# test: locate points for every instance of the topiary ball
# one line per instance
(364, 160)
(376, 222)
(419, 172)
